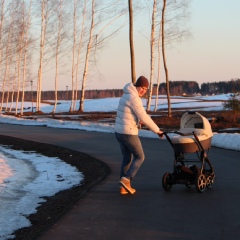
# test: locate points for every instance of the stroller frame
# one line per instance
(201, 175)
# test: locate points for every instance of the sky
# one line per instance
(24, 172)
(212, 54)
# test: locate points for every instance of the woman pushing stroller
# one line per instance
(130, 113)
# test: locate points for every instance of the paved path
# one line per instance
(151, 213)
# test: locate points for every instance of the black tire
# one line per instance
(167, 181)
(201, 183)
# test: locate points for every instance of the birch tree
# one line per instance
(164, 58)
(1, 43)
(103, 15)
(2, 26)
(77, 49)
(20, 46)
(44, 24)
(74, 53)
(89, 46)
(132, 54)
(158, 67)
(12, 53)
(58, 40)
(171, 16)
(7, 63)
(152, 54)
(175, 16)
(25, 49)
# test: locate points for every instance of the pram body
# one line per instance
(193, 137)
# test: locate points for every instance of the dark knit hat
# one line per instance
(142, 82)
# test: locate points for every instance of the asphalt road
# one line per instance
(151, 213)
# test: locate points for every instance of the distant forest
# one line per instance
(177, 88)
(192, 87)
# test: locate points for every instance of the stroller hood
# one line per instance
(194, 121)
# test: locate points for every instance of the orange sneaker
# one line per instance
(123, 191)
(125, 182)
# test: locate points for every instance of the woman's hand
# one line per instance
(160, 134)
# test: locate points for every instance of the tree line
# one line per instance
(209, 88)
(231, 86)
(177, 88)
(66, 95)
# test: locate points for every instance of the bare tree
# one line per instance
(26, 24)
(7, 63)
(177, 13)
(13, 49)
(15, 36)
(152, 54)
(1, 43)
(164, 58)
(102, 17)
(159, 67)
(77, 49)
(132, 55)
(57, 42)
(74, 52)
(20, 47)
(44, 22)
(2, 26)
(89, 47)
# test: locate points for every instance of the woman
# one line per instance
(129, 114)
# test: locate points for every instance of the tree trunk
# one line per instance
(89, 46)
(152, 55)
(42, 43)
(164, 60)
(25, 48)
(1, 49)
(73, 53)
(80, 45)
(133, 70)
(159, 67)
(59, 39)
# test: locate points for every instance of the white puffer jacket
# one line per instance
(131, 111)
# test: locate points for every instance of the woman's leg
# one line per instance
(130, 146)
(127, 156)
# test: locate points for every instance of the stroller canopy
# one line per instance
(194, 121)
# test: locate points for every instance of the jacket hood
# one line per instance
(130, 89)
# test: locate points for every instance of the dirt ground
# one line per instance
(94, 171)
(219, 119)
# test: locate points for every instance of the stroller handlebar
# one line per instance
(179, 133)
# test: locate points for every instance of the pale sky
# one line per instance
(212, 54)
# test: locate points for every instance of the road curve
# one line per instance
(151, 213)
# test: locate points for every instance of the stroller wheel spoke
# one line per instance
(210, 181)
(201, 183)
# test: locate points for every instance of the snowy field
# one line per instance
(21, 173)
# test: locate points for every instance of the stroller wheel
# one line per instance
(167, 181)
(201, 183)
(210, 181)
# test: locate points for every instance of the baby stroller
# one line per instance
(193, 138)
